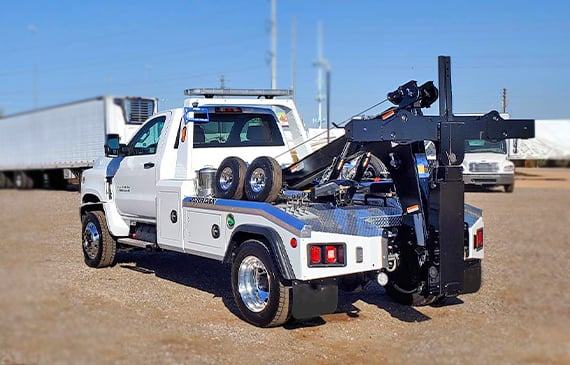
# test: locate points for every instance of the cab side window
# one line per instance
(145, 141)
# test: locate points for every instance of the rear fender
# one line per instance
(268, 236)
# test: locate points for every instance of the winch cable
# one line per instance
(334, 126)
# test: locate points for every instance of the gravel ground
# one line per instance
(165, 308)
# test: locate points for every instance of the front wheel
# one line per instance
(260, 294)
(509, 188)
(99, 247)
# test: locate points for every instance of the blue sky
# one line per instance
(82, 49)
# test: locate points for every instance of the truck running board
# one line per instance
(137, 243)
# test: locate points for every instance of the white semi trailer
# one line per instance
(57, 143)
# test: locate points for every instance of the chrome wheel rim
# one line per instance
(253, 284)
(91, 240)
(226, 178)
(258, 180)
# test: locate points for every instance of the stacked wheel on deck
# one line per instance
(260, 181)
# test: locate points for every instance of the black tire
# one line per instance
(230, 178)
(263, 180)
(22, 180)
(99, 247)
(509, 188)
(375, 169)
(258, 289)
(9, 182)
(3, 180)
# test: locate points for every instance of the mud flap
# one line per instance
(472, 277)
(314, 299)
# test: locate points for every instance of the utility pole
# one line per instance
(222, 82)
(321, 64)
(504, 100)
(33, 30)
(273, 53)
(294, 57)
(328, 73)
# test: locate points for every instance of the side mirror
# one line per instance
(112, 145)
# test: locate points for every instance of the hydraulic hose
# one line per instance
(404, 291)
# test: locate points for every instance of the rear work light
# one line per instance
(478, 240)
(324, 255)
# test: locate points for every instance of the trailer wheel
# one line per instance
(22, 180)
(263, 180)
(509, 188)
(230, 178)
(99, 247)
(3, 180)
(259, 292)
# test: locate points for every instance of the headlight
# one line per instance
(509, 167)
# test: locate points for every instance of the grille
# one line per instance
(138, 110)
(484, 167)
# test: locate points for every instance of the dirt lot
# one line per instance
(174, 309)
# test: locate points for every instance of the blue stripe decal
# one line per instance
(277, 213)
(266, 207)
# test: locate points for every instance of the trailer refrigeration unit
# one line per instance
(216, 179)
(57, 143)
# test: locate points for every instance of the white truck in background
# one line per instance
(487, 164)
(57, 143)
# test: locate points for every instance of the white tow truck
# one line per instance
(217, 179)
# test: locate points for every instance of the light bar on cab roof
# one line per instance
(211, 92)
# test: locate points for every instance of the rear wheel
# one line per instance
(259, 292)
(263, 180)
(230, 178)
(99, 247)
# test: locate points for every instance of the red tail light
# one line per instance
(315, 255)
(478, 240)
(330, 254)
(326, 255)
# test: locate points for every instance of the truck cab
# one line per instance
(486, 163)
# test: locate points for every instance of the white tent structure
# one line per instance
(551, 142)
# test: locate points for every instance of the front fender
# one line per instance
(95, 194)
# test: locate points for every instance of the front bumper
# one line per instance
(488, 179)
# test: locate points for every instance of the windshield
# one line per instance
(479, 146)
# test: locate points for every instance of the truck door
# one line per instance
(135, 180)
